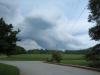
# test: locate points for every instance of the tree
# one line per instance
(93, 56)
(19, 50)
(56, 56)
(94, 7)
(7, 38)
(94, 32)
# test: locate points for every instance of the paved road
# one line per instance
(40, 68)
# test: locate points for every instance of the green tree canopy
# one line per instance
(94, 7)
(94, 54)
(7, 37)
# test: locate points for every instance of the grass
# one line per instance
(8, 70)
(32, 57)
(27, 57)
(75, 62)
(75, 59)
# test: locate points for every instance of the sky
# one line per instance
(49, 24)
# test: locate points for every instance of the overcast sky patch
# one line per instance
(50, 24)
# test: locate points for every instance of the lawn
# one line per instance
(75, 62)
(8, 70)
(75, 59)
(33, 57)
(27, 57)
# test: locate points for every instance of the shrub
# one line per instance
(93, 56)
(56, 57)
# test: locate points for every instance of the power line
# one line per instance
(81, 14)
(79, 17)
(74, 26)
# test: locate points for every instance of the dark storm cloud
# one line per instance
(34, 28)
(43, 33)
(38, 23)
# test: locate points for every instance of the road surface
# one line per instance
(40, 68)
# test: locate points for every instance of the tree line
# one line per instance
(47, 51)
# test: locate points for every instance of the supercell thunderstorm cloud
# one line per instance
(50, 24)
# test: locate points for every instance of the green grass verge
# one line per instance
(8, 70)
(27, 57)
(73, 57)
(75, 62)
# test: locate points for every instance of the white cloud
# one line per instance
(29, 44)
(50, 24)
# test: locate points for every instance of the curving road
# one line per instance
(40, 68)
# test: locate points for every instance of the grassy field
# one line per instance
(76, 59)
(41, 57)
(75, 62)
(8, 70)
(26, 57)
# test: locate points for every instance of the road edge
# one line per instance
(77, 66)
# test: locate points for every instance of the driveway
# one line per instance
(40, 68)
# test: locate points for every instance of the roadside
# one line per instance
(77, 66)
(8, 69)
(40, 68)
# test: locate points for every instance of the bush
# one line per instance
(95, 64)
(93, 56)
(56, 57)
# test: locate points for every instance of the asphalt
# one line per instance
(40, 68)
